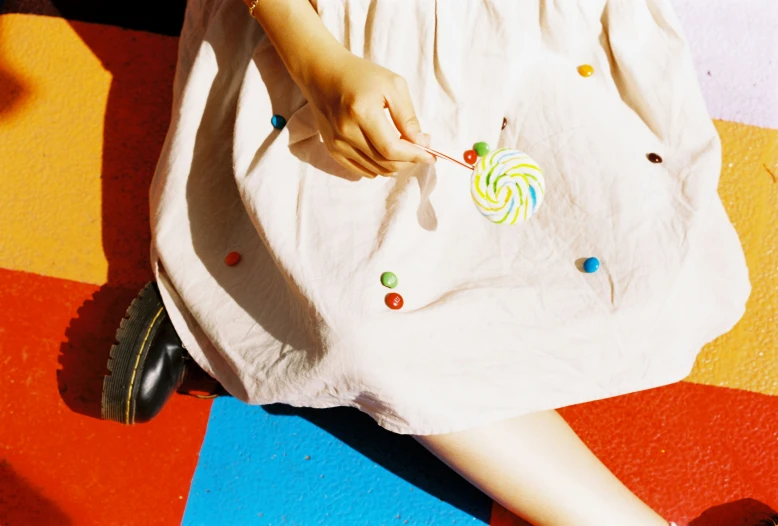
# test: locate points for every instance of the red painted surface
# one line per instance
(59, 464)
(698, 454)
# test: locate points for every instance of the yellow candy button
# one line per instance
(585, 70)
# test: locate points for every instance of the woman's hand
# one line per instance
(349, 96)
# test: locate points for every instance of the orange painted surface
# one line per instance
(86, 111)
(747, 357)
(59, 464)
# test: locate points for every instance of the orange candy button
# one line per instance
(585, 70)
(232, 259)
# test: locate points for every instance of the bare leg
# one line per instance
(537, 467)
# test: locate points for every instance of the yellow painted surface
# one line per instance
(747, 356)
(51, 151)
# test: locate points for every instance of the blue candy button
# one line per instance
(278, 122)
(591, 265)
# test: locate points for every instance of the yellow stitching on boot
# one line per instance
(137, 362)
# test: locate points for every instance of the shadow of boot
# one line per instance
(84, 355)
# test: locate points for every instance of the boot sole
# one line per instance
(127, 357)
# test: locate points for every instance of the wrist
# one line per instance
(317, 65)
(306, 47)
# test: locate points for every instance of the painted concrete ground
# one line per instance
(84, 104)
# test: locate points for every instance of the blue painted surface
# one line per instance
(279, 465)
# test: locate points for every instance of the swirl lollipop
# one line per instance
(507, 186)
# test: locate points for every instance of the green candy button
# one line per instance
(389, 280)
(481, 148)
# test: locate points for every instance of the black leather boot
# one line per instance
(148, 363)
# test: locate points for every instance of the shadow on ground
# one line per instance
(20, 503)
(84, 355)
(743, 512)
(399, 454)
(137, 115)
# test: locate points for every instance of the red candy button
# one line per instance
(470, 156)
(232, 259)
(394, 301)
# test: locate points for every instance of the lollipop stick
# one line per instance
(443, 155)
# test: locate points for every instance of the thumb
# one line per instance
(403, 115)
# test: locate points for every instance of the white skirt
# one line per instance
(498, 320)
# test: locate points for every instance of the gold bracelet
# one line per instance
(252, 7)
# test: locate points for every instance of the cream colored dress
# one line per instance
(498, 320)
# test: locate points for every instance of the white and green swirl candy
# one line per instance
(507, 186)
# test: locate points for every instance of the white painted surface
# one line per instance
(734, 44)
